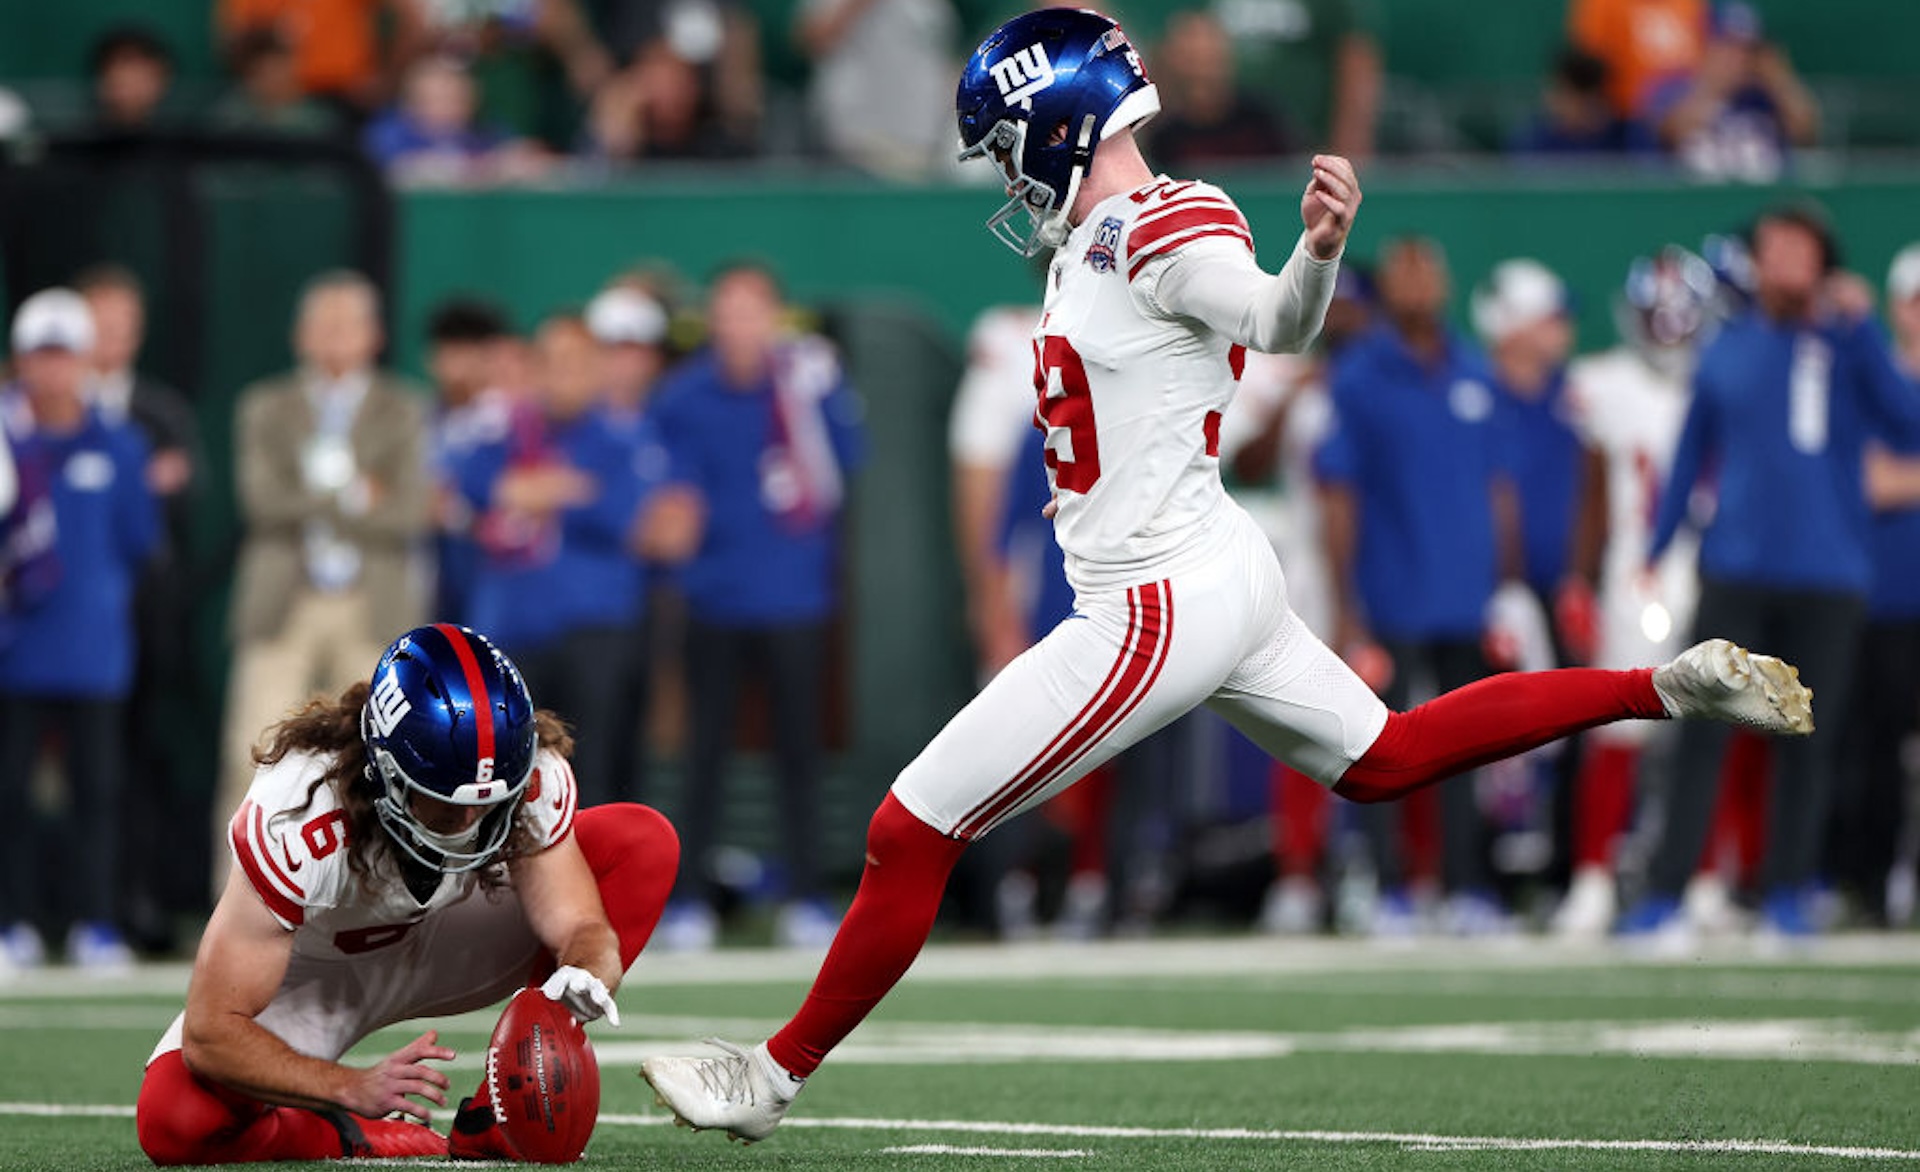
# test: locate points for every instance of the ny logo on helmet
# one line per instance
(389, 704)
(1022, 74)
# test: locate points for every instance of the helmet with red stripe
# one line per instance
(448, 723)
(1038, 97)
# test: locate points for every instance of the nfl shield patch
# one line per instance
(1103, 253)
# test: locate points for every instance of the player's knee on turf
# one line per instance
(174, 1116)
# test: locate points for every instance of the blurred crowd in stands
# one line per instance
(504, 91)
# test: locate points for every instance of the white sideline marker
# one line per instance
(1412, 1141)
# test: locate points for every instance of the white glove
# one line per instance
(584, 994)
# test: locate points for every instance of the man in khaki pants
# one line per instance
(330, 464)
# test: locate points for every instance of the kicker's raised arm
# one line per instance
(1221, 285)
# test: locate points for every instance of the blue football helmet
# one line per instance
(450, 719)
(1038, 97)
(1671, 303)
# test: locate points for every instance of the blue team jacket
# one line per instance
(78, 641)
(1419, 446)
(1779, 417)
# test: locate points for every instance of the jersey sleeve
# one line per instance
(551, 800)
(1177, 218)
(1198, 262)
(284, 842)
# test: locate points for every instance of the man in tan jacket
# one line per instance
(331, 470)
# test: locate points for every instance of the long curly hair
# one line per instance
(329, 728)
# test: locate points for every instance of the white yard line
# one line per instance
(1017, 1153)
(1795, 1040)
(1213, 957)
(1409, 1140)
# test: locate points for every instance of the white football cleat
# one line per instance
(742, 1092)
(1718, 680)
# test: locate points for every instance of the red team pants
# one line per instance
(185, 1119)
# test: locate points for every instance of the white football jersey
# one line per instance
(1132, 397)
(1634, 415)
(291, 850)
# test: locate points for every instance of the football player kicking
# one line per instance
(408, 849)
(1151, 301)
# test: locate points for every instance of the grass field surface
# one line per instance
(1218, 1053)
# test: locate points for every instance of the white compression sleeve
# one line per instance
(1218, 283)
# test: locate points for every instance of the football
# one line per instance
(543, 1079)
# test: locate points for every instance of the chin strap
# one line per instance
(1053, 232)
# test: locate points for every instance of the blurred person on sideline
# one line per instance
(630, 325)
(1743, 110)
(67, 664)
(1421, 526)
(1785, 398)
(1544, 617)
(1524, 316)
(1210, 116)
(763, 431)
(163, 871)
(330, 464)
(1872, 802)
(1629, 403)
(987, 429)
(554, 501)
(465, 339)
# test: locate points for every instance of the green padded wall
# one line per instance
(926, 248)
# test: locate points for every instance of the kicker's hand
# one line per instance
(1329, 204)
(584, 995)
(384, 1088)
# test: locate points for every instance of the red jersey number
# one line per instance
(1077, 468)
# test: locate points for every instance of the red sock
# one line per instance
(184, 1119)
(907, 867)
(1740, 813)
(1494, 718)
(1602, 802)
(1300, 807)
